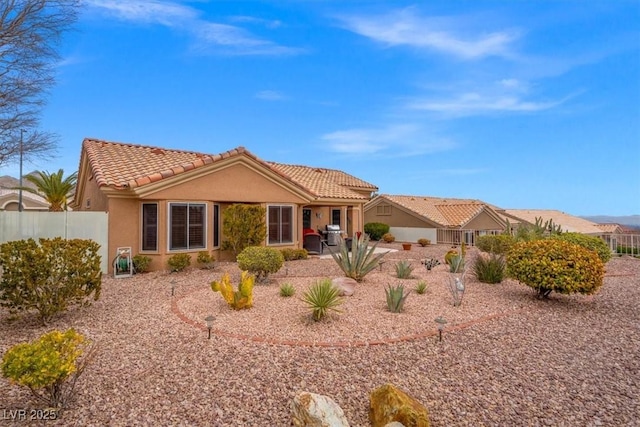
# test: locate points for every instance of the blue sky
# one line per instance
(520, 104)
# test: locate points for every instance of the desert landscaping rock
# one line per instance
(506, 358)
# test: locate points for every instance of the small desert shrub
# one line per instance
(261, 261)
(243, 225)
(396, 298)
(179, 262)
(322, 297)
(593, 243)
(206, 260)
(498, 244)
(430, 263)
(376, 230)
(294, 254)
(389, 238)
(49, 366)
(489, 269)
(243, 297)
(141, 263)
(424, 242)
(403, 269)
(555, 265)
(421, 287)
(49, 276)
(287, 290)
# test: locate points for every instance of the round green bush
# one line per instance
(260, 261)
(376, 230)
(593, 243)
(555, 265)
(495, 244)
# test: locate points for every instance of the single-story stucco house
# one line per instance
(163, 201)
(441, 220)
(10, 201)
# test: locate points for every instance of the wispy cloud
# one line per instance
(407, 27)
(210, 37)
(467, 104)
(271, 95)
(393, 140)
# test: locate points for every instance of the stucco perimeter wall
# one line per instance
(412, 234)
(235, 183)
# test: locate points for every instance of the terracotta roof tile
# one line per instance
(564, 220)
(326, 183)
(120, 166)
(448, 212)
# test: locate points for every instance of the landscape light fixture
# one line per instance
(441, 321)
(173, 287)
(209, 319)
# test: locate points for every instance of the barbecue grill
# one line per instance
(332, 234)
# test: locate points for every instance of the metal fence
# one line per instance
(68, 225)
(457, 237)
(622, 244)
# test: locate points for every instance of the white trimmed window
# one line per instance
(187, 226)
(280, 224)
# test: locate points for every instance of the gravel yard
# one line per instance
(506, 357)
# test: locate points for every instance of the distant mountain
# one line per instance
(631, 220)
(9, 182)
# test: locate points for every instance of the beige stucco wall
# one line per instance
(398, 217)
(97, 200)
(236, 183)
(484, 221)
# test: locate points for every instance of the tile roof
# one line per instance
(610, 227)
(25, 195)
(567, 222)
(122, 166)
(325, 183)
(448, 212)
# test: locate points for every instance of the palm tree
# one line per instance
(53, 188)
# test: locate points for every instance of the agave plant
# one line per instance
(322, 297)
(360, 261)
(404, 269)
(396, 298)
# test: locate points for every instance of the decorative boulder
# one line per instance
(316, 410)
(394, 424)
(388, 404)
(346, 285)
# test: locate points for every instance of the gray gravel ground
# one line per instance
(518, 361)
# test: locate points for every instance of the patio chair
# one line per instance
(312, 242)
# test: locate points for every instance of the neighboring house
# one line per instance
(567, 222)
(612, 228)
(164, 201)
(442, 220)
(10, 201)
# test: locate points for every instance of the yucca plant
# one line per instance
(404, 269)
(287, 290)
(360, 261)
(489, 270)
(322, 297)
(396, 298)
(421, 287)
